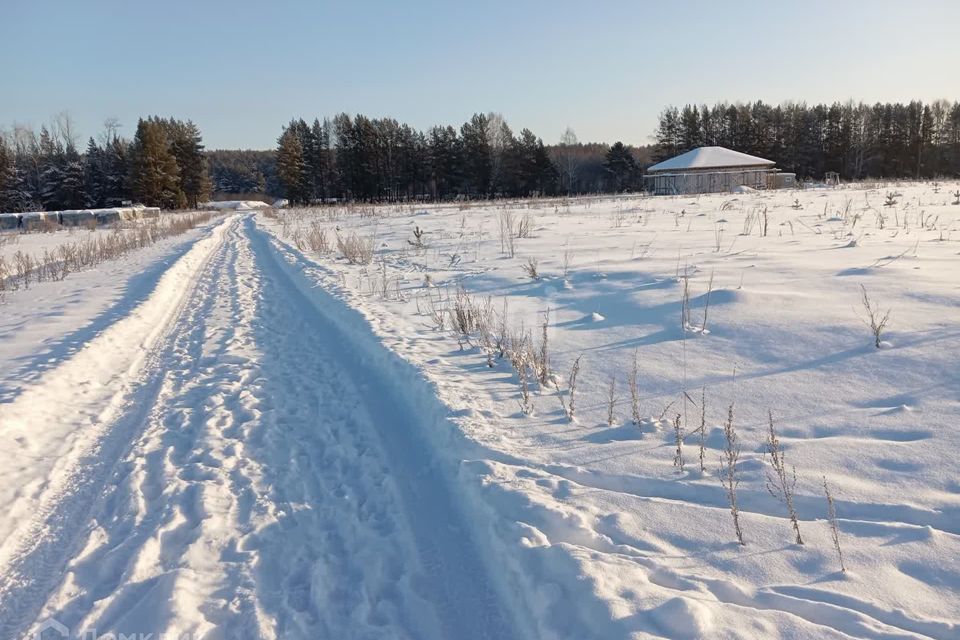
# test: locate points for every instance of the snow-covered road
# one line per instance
(221, 463)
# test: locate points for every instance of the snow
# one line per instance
(709, 158)
(237, 205)
(598, 533)
(229, 434)
(215, 460)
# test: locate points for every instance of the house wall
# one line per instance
(708, 181)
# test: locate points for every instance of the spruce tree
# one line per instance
(116, 172)
(8, 178)
(621, 166)
(94, 178)
(50, 166)
(70, 191)
(186, 145)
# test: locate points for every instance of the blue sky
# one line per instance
(242, 69)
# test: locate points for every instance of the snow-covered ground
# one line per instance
(598, 532)
(204, 457)
(230, 434)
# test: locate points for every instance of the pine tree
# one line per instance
(477, 155)
(445, 161)
(290, 166)
(318, 158)
(154, 175)
(691, 134)
(668, 134)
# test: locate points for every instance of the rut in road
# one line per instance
(275, 490)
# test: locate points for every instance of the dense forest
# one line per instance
(580, 168)
(164, 165)
(361, 158)
(856, 140)
(380, 159)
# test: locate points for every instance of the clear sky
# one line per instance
(241, 69)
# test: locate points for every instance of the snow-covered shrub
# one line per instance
(728, 472)
(569, 405)
(875, 319)
(356, 249)
(834, 525)
(531, 268)
(781, 483)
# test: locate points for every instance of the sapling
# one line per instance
(780, 483)
(834, 525)
(728, 471)
(956, 197)
(417, 238)
(876, 320)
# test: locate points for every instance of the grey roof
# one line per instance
(710, 158)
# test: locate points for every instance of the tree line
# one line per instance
(164, 165)
(361, 158)
(856, 140)
(381, 159)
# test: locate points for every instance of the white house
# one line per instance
(712, 169)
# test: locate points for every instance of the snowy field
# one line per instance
(238, 433)
(597, 529)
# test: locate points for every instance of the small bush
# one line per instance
(531, 268)
(356, 249)
(875, 319)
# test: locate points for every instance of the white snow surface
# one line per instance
(231, 435)
(238, 205)
(709, 158)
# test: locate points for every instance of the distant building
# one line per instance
(713, 169)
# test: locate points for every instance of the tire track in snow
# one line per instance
(276, 491)
(95, 402)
